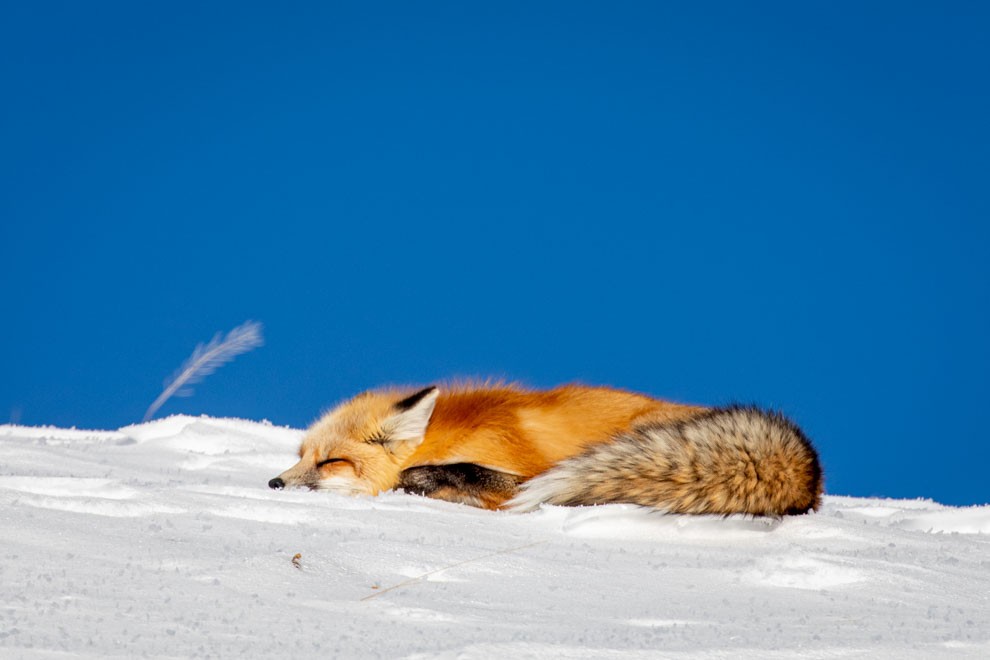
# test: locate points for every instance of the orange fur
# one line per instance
(525, 432)
(502, 427)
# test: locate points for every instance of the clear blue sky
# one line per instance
(781, 203)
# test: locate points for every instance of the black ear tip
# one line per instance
(412, 400)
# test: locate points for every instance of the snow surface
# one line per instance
(163, 540)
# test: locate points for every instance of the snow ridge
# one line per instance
(163, 539)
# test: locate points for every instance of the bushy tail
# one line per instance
(738, 459)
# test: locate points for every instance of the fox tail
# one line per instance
(737, 459)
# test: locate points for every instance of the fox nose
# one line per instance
(276, 484)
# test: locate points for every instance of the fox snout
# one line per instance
(340, 480)
(301, 475)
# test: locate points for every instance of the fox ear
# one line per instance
(411, 418)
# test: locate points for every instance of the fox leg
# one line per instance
(464, 483)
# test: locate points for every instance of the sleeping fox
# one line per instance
(503, 446)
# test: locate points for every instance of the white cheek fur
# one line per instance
(343, 485)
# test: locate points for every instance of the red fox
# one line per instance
(503, 446)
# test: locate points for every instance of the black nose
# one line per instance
(276, 484)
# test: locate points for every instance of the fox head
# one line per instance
(360, 446)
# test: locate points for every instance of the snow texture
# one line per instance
(163, 540)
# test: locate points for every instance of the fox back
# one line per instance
(363, 445)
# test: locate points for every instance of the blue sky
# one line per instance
(776, 203)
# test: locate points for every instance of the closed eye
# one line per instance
(331, 460)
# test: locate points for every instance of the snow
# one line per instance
(163, 540)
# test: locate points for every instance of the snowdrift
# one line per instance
(162, 539)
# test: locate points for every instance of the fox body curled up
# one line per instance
(501, 446)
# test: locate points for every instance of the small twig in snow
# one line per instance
(419, 578)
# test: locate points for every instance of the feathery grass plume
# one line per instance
(206, 359)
